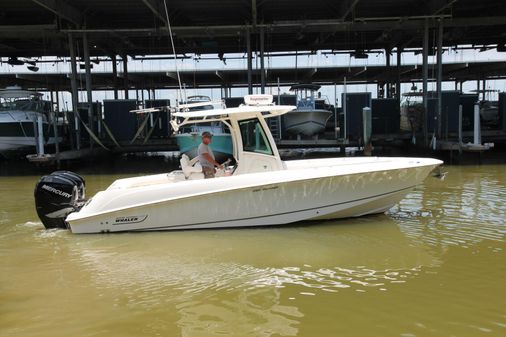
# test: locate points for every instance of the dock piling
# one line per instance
(477, 126)
(40, 136)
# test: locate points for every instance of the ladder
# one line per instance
(275, 127)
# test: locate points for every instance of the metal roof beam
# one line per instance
(254, 12)
(7, 47)
(29, 77)
(347, 7)
(158, 10)
(171, 74)
(436, 7)
(63, 10)
(360, 24)
(307, 75)
(222, 76)
(26, 30)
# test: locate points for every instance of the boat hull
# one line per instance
(15, 143)
(274, 202)
(306, 122)
(19, 136)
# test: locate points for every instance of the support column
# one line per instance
(262, 69)
(250, 62)
(398, 83)
(89, 95)
(425, 88)
(484, 86)
(439, 77)
(73, 84)
(389, 72)
(57, 100)
(114, 76)
(125, 74)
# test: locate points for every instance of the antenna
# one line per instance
(173, 51)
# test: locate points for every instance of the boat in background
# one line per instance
(20, 111)
(489, 112)
(259, 189)
(189, 138)
(312, 112)
(412, 111)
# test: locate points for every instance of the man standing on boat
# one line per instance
(206, 156)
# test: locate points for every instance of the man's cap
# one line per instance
(207, 134)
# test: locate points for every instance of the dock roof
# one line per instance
(33, 28)
(458, 72)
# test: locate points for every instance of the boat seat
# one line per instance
(191, 168)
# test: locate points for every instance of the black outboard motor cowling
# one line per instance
(77, 179)
(57, 195)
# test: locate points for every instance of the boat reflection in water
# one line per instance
(463, 211)
(260, 280)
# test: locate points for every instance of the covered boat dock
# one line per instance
(83, 33)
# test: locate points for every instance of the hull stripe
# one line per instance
(268, 216)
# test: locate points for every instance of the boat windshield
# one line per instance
(253, 137)
(204, 107)
(24, 105)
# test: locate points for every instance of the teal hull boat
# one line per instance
(221, 145)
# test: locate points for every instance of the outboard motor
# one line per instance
(57, 195)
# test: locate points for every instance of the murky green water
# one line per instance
(434, 266)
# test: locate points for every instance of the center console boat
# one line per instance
(259, 189)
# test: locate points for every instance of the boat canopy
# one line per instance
(17, 92)
(304, 86)
(241, 112)
(255, 104)
(268, 111)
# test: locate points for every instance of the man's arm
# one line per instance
(211, 160)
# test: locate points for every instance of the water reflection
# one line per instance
(331, 256)
(463, 210)
(257, 312)
(430, 267)
(248, 280)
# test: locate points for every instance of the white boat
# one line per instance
(311, 114)
(19, 112)
(489, 112)
(259, 190)
(489, 109)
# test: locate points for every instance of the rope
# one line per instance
(143, 125)
(173, 50)
(151, 130)
(109, 133)
(92, 135)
